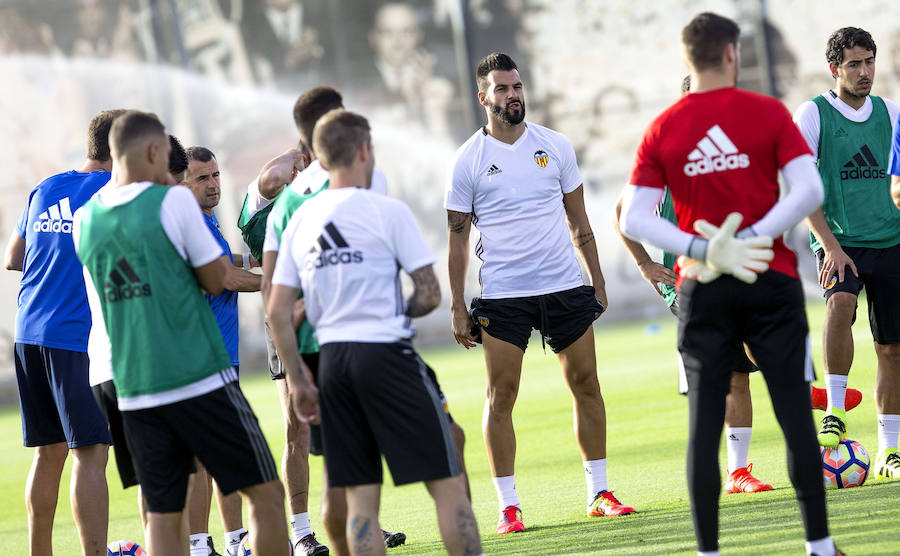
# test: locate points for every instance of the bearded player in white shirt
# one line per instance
(519, 184)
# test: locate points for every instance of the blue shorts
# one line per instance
(56, 399)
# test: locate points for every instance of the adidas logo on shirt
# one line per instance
(862, 166)
(57, 218)
(715, 153)
(493, 170)
(124, 283)
(333, 252)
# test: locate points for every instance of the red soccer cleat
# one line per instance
(740, 480)
(605, 504)
(819, 398)
(510, 521)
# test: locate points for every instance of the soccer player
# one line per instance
(344, 248)
(512, 179)
(178, 162)
(202, 178)
(856, 233)
(718, 150)
(53, 322)
(177, 391)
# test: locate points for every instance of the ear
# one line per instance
(834, 69)
(730, 54)
(152, 152)
(481, 98)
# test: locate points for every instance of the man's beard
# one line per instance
(853, 94)
(505, 115)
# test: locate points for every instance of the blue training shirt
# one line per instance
(53, 309)
(894, 159)
(225, 305)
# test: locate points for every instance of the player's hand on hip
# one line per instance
(743, 258)
(657, 274)
(462, 325)
(305, 402)
(600, 294)
(835, 261)
(695, 270)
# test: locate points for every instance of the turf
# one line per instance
(646, 436)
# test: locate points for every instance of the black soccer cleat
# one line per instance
(393, 540)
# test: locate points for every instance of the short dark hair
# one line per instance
(847, 38)
(131, 126)
(686, 84)
(178, 161)
(312, 105)
(338, 136)
(200, 154)
(98, 134)
(493, 61)
(705, 39)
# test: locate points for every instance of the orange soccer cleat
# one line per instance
(819, 398)
(605, 504)
(510, 521)
(740, 480)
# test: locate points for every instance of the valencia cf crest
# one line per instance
(542, 158)
(483, 321)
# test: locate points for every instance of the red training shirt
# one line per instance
(719, 151)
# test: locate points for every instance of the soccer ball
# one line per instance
(125, 548)
(846, 465)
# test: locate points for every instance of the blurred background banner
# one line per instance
(225, 73)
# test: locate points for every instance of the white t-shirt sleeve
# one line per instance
(76, 227)
(287, 272)
(460, 192)
(255, 201)
(569, 176)
(183, 223)
(379, 182)
(405, 239)
(807, 119)
(270, 243)
(893, 112)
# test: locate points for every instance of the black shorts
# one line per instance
(561, 317)
(219, 428)
(105, 394)
(377, 399)
(879, 274)
(55, 398)
(717, 318)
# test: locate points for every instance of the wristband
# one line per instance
(697, 249)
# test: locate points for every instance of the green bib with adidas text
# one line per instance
(162, 332)
(853, 159)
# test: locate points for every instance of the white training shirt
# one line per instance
(807, 117)
(517, 206)
(185, 227)
(345, 248)
(310, 180)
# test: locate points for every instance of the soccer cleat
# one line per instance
(211, 549)
(740, 480)
(510, 521)
(393, 540)
(833, 429)
(818, 398)
(887, 464)
(605, 504)
(309, 546)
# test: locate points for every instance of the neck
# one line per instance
(91, 165)
(853, 101)
(126, 176)
(505, 133)
(346, 177)
(710, 80)
(207, 211)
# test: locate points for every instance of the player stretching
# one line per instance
(519, 184)
(719, 150)
(177, 391)
(856, 234)
(53, 322)
(344, 248)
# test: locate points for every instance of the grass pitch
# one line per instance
(647, 431)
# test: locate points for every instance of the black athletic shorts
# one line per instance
(219, 428)
(561, 317)
(55, 398)
(717, 318)
(377, 399)
(105, 394)
(879, 274)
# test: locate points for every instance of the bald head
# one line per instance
(140, 147)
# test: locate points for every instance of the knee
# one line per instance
(584, 383)
(740, 383)
(334, 511)
(297, 434)
(95, 455)
(841, 307)
(501, 397)
(52, 453)
(891, 353)
(267, 496)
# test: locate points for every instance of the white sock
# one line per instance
(506, 491)
(233, 542)
(888, 430)
(199, 545)
(837, 390)
(737, 441)
(709, 553)
(595, 477)
(300, 525)
(821, 547)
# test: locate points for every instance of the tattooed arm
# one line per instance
(426, 292)
(583, 238)
(459, 224)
